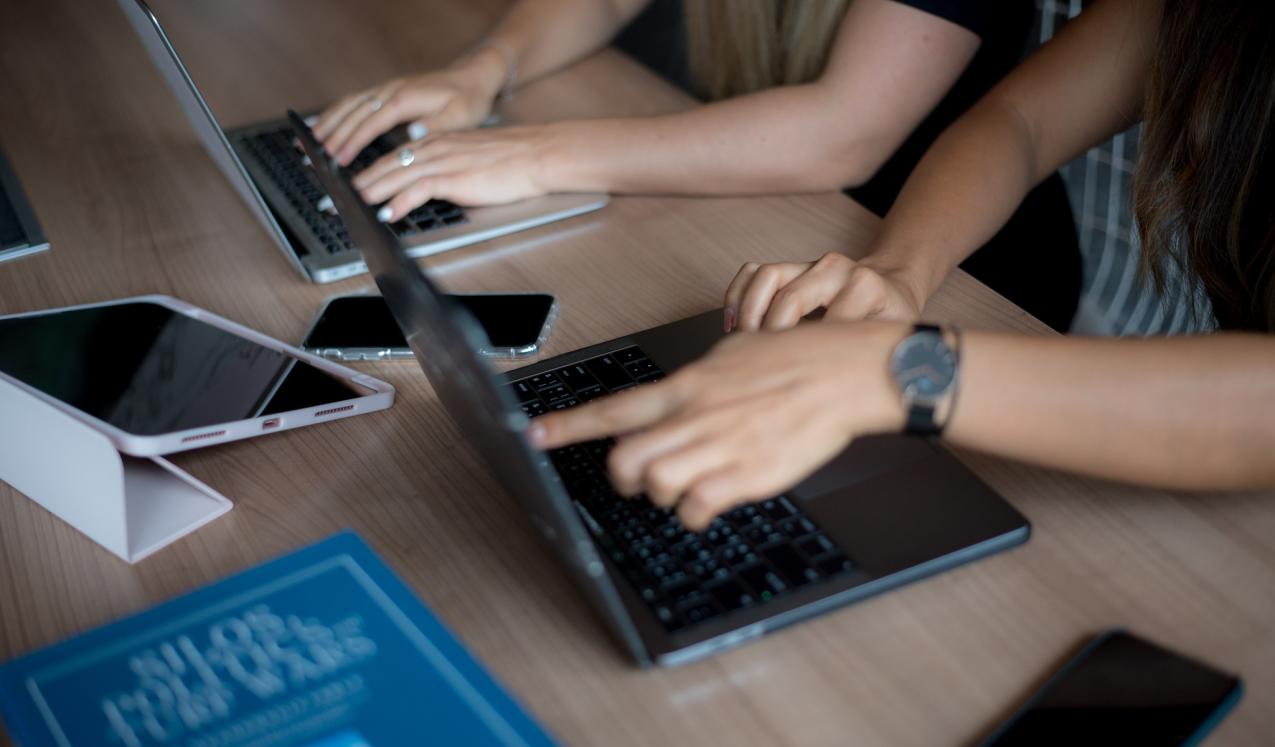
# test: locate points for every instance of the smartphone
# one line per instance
(361, 327)
(1123, 690)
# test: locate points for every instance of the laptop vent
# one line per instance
(333, 410)
(203, 436)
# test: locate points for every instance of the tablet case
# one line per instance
(325, 647)
(130, 505)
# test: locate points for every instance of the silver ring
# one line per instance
(375, 104)
(406, 157)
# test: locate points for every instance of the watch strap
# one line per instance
(921, 417)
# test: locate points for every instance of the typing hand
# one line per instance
(483, 167)
(777, 296)
(459, 97)
(751, 419)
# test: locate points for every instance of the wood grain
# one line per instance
(133, 205)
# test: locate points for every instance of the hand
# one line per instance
(749, 420)
(459, 97)
(484, 167)
(777, 296)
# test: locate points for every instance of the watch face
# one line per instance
(924, 366)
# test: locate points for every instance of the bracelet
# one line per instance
(511, 65)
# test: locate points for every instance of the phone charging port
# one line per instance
(271, 424)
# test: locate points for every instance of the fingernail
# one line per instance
(311, 120)
(324, 205)
(385, 214)
(417, 131)
(728, 322)
(535, 433)
(305, 161)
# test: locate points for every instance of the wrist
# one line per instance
(560, 164)
(486, 68)
(908, 271)
(882, 409)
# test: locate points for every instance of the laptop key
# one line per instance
(834, 564)
(534, 408)
(765, 582)
(730, 594)
(523, 391)
(610, 373)
(791, 567)
(577, 377)
(629, 355)
(695, 612)
(543, 381)
(817, 544)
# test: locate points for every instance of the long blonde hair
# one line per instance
(741, 46)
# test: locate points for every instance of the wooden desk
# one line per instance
(133, 205)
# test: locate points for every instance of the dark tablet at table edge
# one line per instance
(20, 232)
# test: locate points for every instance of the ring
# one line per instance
(375, 104)
(406, 157)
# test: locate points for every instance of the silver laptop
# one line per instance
(887, 511)
(267, 171)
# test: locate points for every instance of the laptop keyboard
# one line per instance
(748, 556)
(274, 151)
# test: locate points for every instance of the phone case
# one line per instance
(347, 354)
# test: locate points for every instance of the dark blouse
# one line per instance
(1035, 260)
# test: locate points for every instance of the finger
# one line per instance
(757, 296)
(862, 298)
(628, 461)
(333, 115)
(372, 104)
(715, 493)
(401, 178)
(619, 413)
(735, 294)
(813, 290)
(668, 478)
(394, 111)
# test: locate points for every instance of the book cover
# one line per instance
(324, 647)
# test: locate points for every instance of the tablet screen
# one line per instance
(148, 370)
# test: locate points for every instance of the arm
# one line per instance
(1188, 413)
(1075, 92)
(536, 38)
(891, 64)
(762, 411)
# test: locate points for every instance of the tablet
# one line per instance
(159, 376)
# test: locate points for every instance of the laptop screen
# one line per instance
(445, 341)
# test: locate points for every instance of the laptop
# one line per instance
(890, 510)
(268, 172)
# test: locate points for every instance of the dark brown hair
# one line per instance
(1204, 190)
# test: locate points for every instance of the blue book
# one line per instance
(325, 647)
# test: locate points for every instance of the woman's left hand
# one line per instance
(480, 167)
(749, 420)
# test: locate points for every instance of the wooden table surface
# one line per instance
(133, 205)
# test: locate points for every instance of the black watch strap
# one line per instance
(921, 420)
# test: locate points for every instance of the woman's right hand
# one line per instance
(455, 98)
(777, 296)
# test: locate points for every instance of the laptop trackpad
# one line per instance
(863, 460)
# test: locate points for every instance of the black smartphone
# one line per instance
(1123, 690)
(361, 327)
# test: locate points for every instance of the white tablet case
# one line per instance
(130, 505)
(134, 505)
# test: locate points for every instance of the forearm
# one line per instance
(965, 188)
(547, 35)
(1188, 413)
(779, 140)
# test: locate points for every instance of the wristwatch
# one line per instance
(925, 365)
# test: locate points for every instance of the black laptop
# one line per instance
(889, 510)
